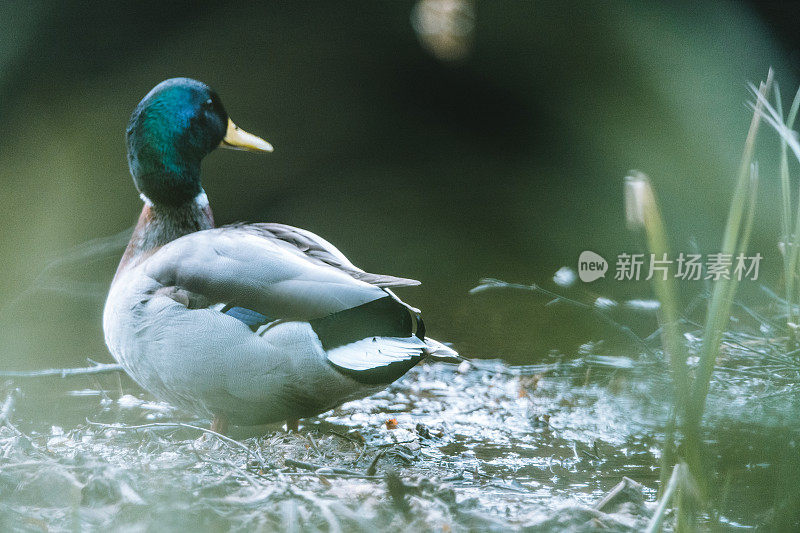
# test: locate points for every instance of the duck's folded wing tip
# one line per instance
(377, 360)
(441, 352)
(384, 281)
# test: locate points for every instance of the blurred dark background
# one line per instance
(497, 149)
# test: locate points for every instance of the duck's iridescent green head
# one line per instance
(172, 129)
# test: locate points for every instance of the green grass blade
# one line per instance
(786, 216)
(642, 210)
(719, 307)
(654, 526)
(793, 243)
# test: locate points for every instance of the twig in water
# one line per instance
(620, 493)
(314, 445)
(346, 437)
(390, 444)
(99, 368)
(373, 466)
(5, 417)
(327, 470)
(491, 283)
(251, 477)
(173, 425)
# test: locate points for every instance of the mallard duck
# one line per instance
(249, 323)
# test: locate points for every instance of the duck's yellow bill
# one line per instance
(237, 139)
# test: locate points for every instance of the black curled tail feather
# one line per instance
(420, 333)
(384, 317)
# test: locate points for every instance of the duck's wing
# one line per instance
(269, 274)
(317, 249)
(241, 266)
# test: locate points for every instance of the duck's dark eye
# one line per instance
(213, 107)
(208, 108)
